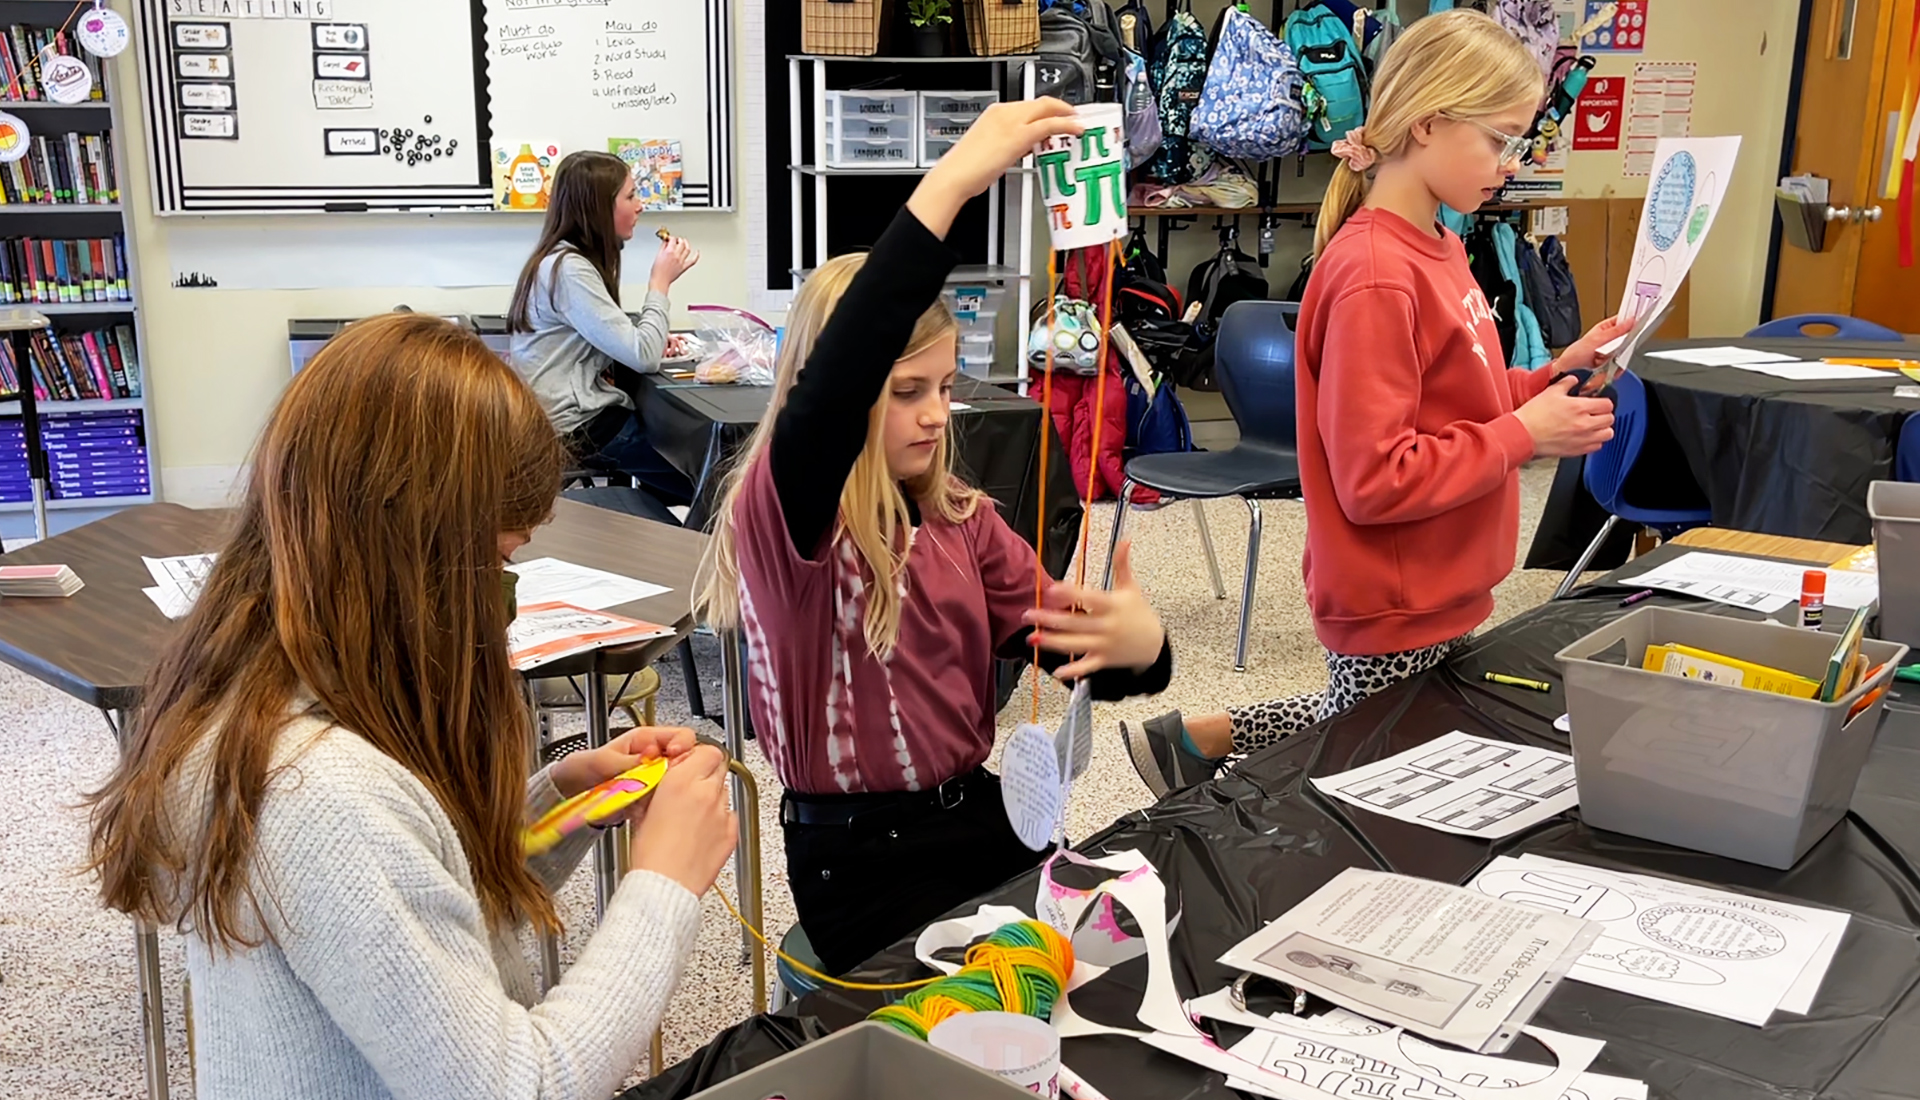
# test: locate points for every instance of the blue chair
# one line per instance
(1605, 475)
(1253, 363)
(1847, 328)
(793, 984)
(1906, 450)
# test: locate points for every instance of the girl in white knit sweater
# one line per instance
(327, 784)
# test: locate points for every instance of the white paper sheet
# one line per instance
(550, 580)
(177, 582)
(1599, 1086)
(1031, 787)
(1796, 371)
(1462, 784)
(1764, 586)
(1720, 356)
(1714, 952)
(1421, 955)
(1139, 891)
(171, 601)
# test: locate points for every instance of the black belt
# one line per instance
(860, 809)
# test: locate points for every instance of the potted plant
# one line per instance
(929, 20)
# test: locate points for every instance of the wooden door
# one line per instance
(1852, 71)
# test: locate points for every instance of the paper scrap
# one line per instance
(1763, 586)
(1462, 784)
(1724, 954)
(1600, 1086)
(1030, 785)
(550, 580)
(1817, 372)
(1421, 955)
(1720, 356)
(1139, 891)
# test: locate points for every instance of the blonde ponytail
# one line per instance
(1460, 64)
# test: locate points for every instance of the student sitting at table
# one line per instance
(875, 588)
(572, 340)
(326, 785)
(1412, 429)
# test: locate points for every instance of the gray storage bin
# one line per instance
(1727, 770)
(868, 1061)
(1895, 508)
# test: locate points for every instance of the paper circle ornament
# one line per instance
(67, 79)
(102, 32)
(14, 138)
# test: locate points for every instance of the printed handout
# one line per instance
(550, 580)
(1715, 952)
(546, 632)
(1763, 586)
(1421, 955)
(177, 582)
(1462, 784)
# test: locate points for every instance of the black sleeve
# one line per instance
(1109, 685)
(821, 429)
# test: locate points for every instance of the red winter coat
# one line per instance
(1073, 403)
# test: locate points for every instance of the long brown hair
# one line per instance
(1459, 63)
(364, 572)
(579, 218)
(873, 510)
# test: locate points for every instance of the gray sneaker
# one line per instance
(1159, 753)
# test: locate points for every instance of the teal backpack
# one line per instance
(1330, 61)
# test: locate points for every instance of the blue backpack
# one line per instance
(1177, 68)
(1330, 60)
(1251, 105)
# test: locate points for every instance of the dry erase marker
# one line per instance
(1515, 681)
(1636, 597)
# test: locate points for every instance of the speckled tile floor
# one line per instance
(69, 1021)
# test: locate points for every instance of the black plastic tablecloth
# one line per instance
(1772, 456)
(1244, 848)
(699, 429)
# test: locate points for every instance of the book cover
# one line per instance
(130, 356)
(523, 176)
(657, 170)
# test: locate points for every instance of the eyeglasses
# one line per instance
(1511, 147)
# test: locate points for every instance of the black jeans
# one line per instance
(616, 439)
(861, 886)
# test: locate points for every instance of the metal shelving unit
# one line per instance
(59, 221)
(804, 164)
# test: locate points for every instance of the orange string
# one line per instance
(1099, 414)
(13, 87)
(1040, 499)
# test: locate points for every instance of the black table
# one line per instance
(1246, 847)
(699, 429)
(1772, 456)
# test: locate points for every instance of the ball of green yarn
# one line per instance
(1022, 967)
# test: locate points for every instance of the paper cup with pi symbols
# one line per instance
(1083, 180)
(1021, 1050)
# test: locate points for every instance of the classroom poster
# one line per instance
(1625, 32)
(1600, 114)
(1661, 107)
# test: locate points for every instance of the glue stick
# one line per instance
(1813, 598)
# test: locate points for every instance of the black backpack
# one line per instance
(1483, 257)
(1229, 276)
(1297, 290)
(1559, 319)
(1080, 59)
(1135, 26)
(1566, 297)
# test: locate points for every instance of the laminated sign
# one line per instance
(1083, 180)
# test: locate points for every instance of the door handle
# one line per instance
(1868, 214)
(1839, 213)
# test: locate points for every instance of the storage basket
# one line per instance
(848, 28)
(1002, 26)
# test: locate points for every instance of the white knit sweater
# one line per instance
(382, 978)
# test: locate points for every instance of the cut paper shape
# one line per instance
(1018, 1049)
(1074, 742)
(1599, 1086)
(1030, 784)
(1219, 1005)
(66, 79)
(1083, 180)
(102, 32)
(15, 139)
(1139, 890)
(958, 932)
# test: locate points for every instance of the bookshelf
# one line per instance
(99, 443)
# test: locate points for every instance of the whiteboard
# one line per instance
(576, 73)
(289, 105)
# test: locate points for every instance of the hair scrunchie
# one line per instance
(1354, 150)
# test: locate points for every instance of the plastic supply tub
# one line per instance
(868, 1061)
(1895, 508)
(1727, 770)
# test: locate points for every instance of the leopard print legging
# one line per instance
(1349, 680)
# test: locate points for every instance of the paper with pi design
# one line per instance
(1083, 180)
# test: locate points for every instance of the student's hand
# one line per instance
(688, 832)
(1564, 425)
(675, 258)
(997, 140)
(1108, 629)
(1584, 353)
(584, 770)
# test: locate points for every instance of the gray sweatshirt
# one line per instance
(579, 332)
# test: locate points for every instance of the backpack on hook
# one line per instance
(1080, 58)
(1330, 62)
(1177, 68)
(1536, 25)
(1250, 106)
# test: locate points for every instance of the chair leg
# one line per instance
(1120, 511)
(1246, 592)
(692, 677)
(1580, 566)
(1206, 543)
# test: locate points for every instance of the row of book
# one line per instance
(75, 366)
(89, 455)
(70, 169)
(36, 270)
(21, 49)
